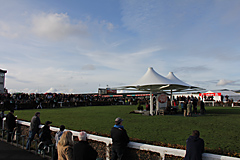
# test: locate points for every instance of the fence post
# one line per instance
(52, 148)
(36, 147)
(107, 151)
(23, 140)
(17, 134)
(162, 155)
(3, 130)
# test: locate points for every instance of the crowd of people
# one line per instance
(67, 149)
(54, 100)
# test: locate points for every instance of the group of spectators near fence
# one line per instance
(63, 146)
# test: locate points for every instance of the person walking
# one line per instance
(120, 139)
(195, 147)
(82, 150)
(33, 129)
(65, 146)
(11, 124)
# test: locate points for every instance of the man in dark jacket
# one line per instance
(120, 139)
(46, 137)
(195, 147)
(82, 150)
(11, 124)
(33, 129)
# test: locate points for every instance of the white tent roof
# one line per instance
(174, 79)
(151, 77)
(152, 81)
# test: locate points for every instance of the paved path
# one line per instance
(11, 152)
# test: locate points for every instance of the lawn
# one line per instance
(219, 127)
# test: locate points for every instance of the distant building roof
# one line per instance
(3, 71)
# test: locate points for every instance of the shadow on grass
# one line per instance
(214, 111)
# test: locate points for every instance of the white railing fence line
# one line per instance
(141, 146)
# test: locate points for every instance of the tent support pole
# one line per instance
(151, 103)
(171, 99)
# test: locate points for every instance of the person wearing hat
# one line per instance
(33, 129)
(120, 139)
(46, 137)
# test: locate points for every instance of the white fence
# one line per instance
(140, 146)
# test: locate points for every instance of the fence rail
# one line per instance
(140, 146)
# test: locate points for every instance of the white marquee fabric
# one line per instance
(175, 80)
(152, 81)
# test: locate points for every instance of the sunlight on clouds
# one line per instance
(224, 82)
(57, 26)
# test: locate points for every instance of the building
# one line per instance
(2, 80)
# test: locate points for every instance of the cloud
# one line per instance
(192, 69)
(52, 90)
(223, 82)
(108, 25)
(115, 60)
(18, 80)
(89, 67)
(56, 26)
(6, 30)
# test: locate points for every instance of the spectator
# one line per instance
(46, 137)
(185, 108)
(33, 129)
(11, 124)
(82, 150)
(195, 147)
(120, 139)
(57, 138)
(189, 108)
(2, 115)
(65, 146)
(195, 101)
(202, 107)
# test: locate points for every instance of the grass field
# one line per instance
(219, 127)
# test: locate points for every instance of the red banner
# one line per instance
(209, 94)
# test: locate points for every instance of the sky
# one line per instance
(78, 46)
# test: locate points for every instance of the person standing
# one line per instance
(65, 146)
(57, 138)
(82, 150)
(2, 115)
(202, 107)
(185, 108)
(120, 139)
(11, 124)
(46, 137)
(33, 129)
(195, 147)
(189, 108)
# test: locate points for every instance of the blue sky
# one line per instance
(77, 46)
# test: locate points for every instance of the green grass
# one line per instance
(219, 127)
